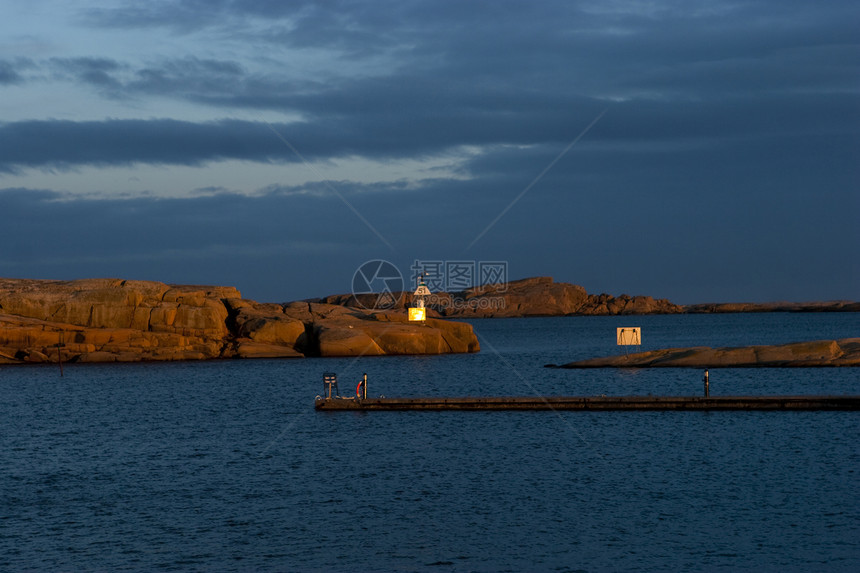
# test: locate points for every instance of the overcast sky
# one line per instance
(698, 151)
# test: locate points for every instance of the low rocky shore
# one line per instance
(537, 296)
(113, 320)
(108, 320)
(541, 296)
(843, 352)
(727, 307)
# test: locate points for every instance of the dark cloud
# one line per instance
(477, 74)
(183, 16)
(524, 53)
(549, 45)
(98, 72)
(299, 242)
(54, 143)
(14, 71)
(481, 74)
(376, 135)
(188, 77)
(8, 73)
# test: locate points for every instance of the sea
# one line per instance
(226, 466)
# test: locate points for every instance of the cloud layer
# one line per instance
(729, 141)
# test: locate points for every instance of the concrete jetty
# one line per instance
(593, 403)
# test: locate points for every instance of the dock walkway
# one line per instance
(594, 403)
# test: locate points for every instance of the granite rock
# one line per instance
(731, 307)
(114, 320)
(536, 296)
(843, 352)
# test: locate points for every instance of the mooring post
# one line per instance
(329, 382)
(705, 379)
(364, 387)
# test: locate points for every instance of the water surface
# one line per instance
(222, 466)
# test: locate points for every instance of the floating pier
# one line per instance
(593, 403)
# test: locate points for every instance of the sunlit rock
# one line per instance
(113, 320)
(843, 352)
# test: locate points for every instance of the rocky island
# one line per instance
(536, 296)
(541, 296)
(110, 320)
(114, 320)
(843, 352)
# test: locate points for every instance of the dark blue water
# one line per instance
(226, 466)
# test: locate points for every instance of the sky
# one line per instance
(695, 151)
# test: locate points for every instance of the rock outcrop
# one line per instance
(537, 296)
(726, 307)
(843, 352)
(113, 320)
(541, 296)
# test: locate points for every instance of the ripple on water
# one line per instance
(225, 465)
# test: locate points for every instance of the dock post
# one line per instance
(364, 387)
(705, 379)
(329, 383)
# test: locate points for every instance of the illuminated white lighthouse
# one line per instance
(417, 311)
